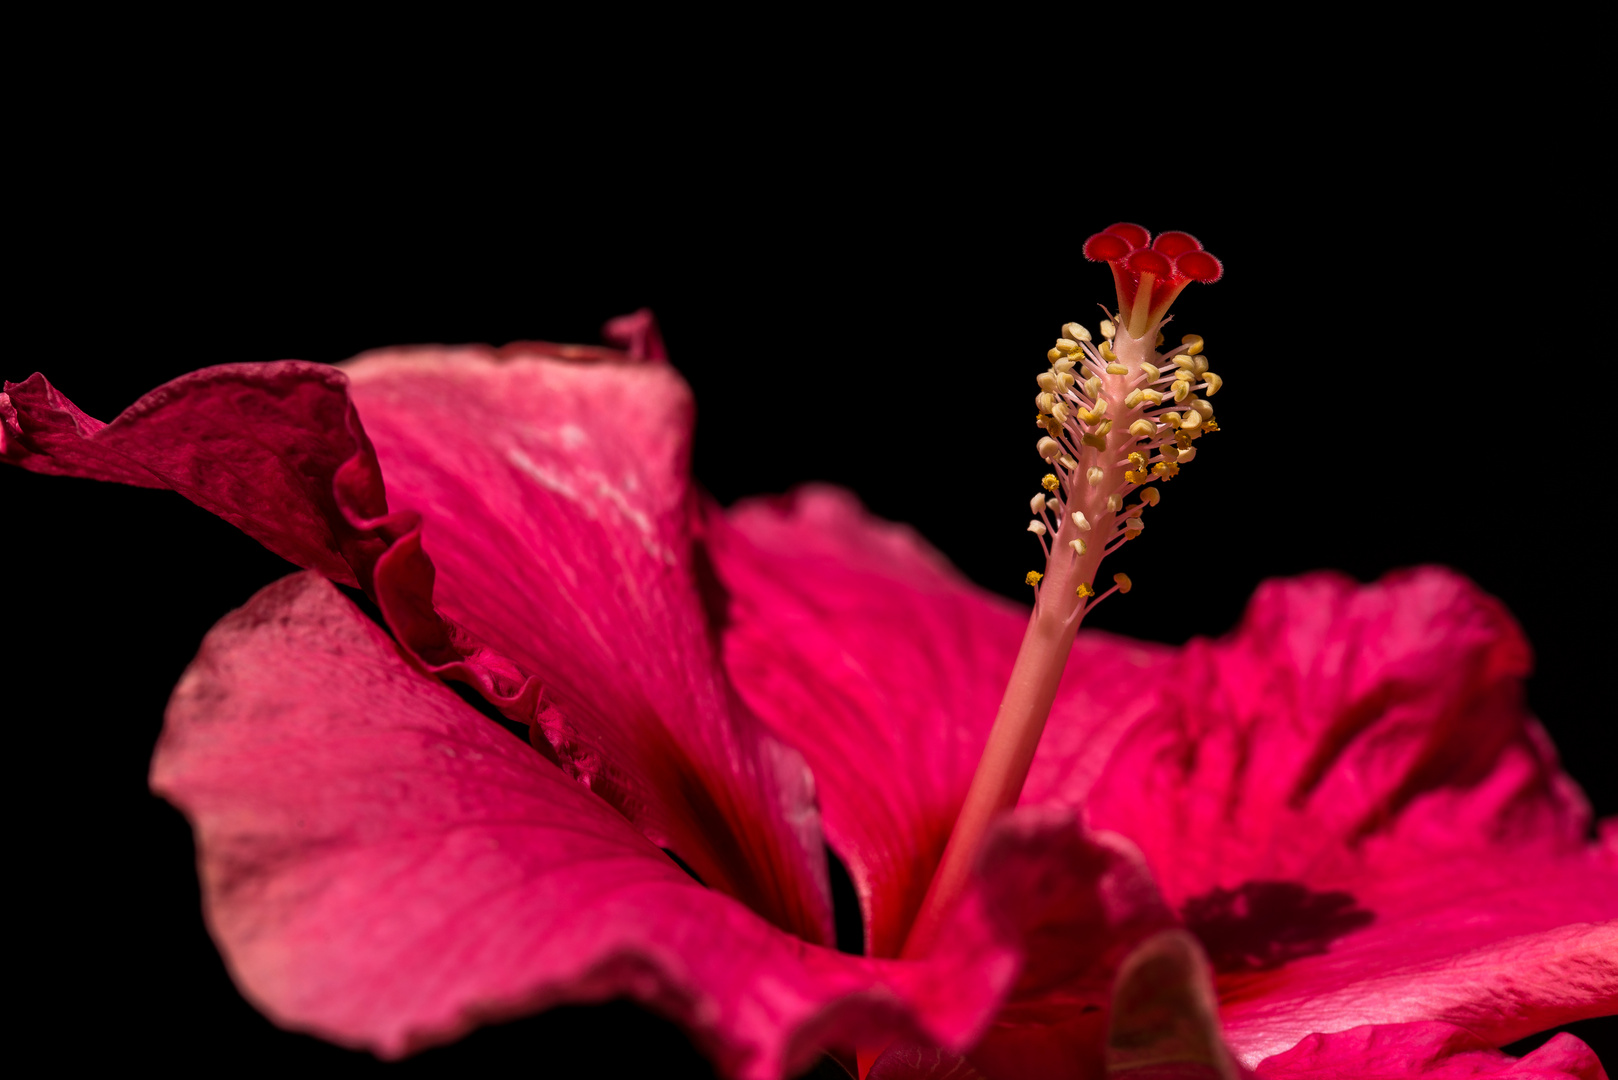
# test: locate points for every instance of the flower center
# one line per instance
(1118, 417)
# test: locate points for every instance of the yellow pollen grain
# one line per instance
(1085, 591)
(1033, 578)
(1049, 482)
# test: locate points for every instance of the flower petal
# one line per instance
(386, 868)
(256, 444)
(278, 451)
(1426, 1051)
(1353, 811)
(557, 512)
(861, 646)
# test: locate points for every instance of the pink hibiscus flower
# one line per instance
(1331, 844)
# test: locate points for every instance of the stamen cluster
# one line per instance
(1117, 416)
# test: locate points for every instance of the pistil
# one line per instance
(1118, 416)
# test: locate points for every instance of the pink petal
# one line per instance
(860, 645)
(256, 444)
(1356, 815)
(557, 510)
(278, 451)
(386, 868)
(1426, 1051)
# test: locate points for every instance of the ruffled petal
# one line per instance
(1426, 1051)
(1353, 811)
(557, 512)
(278, 451)
(386, 868)
(860, 645)
(257, 444)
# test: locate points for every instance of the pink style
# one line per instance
(1332, 844)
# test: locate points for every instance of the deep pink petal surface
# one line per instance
(256, 444)
(1350, 806)
(386, 868)
(557, 510)
(278, 451)
(860, 645)
(1426, 1051)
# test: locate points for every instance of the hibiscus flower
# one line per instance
(1338, 825)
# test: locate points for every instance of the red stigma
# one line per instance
(1173, 262)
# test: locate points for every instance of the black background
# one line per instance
(1411, 331)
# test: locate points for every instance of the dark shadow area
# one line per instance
(845, 906)
(1261, 925)
(1599, 1033)
(482, 705)
(681, 863)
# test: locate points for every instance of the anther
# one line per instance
(1095, 476)
(1184, 363)
(1063, 366)
(1067, 346)
(1080, 522)
(1037, 504)
(1059, 411)
(1108, 330)
(1186, 455)
(1193, 343)
(1048, 448)
(1154, 396)
(1093, 385)
(1117, 369)
(1170, 452)
(1115, 502)
(1106, 351)
(1076, 332)
(1045, 401)
(1049, 482)
(1123, 582)
(1214, 382)
(1142, 429)
(1048, 381)
(1079, 546)
(1067, 462)
(1151, 370)
(1134, 525)
(1037, 528)
(1193, 419)
(1133, 398)
(1204, 409)
(1182, 390)
(1084, 591)
(1149, 496)
(1053, 355)
(1095, 439)
(1090, 416)
(1033, 578)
